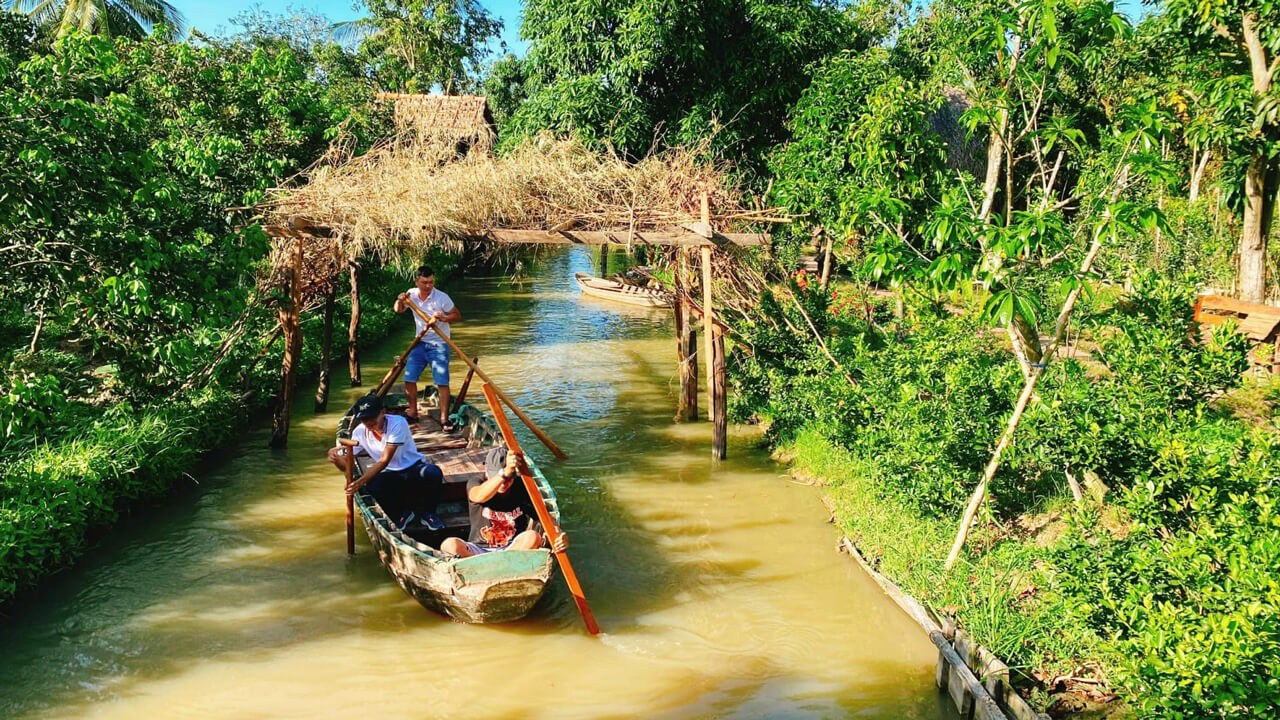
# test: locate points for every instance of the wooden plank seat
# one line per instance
(1257, 321)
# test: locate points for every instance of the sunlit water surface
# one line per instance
(718, 586)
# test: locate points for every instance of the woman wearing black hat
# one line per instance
(403, 482)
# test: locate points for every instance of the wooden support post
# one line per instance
(686, 342)
(604, 261)
(716, 411)
(288, 313)
(326, 342)
(353, 347)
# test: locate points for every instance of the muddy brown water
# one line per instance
(718, 586)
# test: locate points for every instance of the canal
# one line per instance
(718, 587)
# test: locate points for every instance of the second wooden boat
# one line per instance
(490, 588)
(608, 289)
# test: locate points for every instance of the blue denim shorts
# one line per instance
(434, 354)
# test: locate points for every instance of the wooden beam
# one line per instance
(326, 342)
(288, 314)
(353, 346)
(672, 238)
(598, 237)
(686, 341)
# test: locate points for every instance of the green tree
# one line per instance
(634, 73)
(1237, 45)
(416, 45)
(125, 18)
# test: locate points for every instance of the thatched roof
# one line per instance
(448, 118)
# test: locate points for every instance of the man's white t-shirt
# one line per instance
(396, 432)
(437, 301)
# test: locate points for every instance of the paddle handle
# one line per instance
(390, 378)
(548, 523)
(351, 512)
(546, 440)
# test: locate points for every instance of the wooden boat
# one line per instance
(609, 289)
(490, 588)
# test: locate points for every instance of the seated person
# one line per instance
(403, 482)
(502, 513)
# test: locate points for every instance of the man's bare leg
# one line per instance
(527, 540)
(338, 456)
(411, 389)
(443, 390)
(455, 547)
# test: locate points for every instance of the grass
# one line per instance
(1006, 597)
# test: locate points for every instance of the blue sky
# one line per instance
(207, 16)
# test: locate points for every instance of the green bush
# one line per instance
(52, 497)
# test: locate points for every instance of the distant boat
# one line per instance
(490, 588)
(622, 292)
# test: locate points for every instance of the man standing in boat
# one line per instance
(432, 350)
(401, 480)
(502, 514)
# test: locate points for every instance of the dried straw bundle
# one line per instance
(400, 199)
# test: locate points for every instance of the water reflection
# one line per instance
(718, 586)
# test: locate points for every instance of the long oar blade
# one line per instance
(537, 431)
(548, 523)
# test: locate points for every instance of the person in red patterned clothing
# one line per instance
(502, 514)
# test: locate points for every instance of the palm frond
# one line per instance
(354, 31)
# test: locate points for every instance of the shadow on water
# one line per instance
(247, 569)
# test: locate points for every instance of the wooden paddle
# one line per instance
(560, 454)
(462, 394)
(351, 519)
(390, 378)
(544, 517)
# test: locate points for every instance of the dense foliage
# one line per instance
(643, 72)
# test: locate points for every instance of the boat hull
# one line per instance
(619, 292)
(490, 588)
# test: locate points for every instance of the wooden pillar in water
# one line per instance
(686, 342)
(604, 260)
(353, 346)
(326, 342)
(288, 314)
(716, 410)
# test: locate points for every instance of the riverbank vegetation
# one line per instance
(1016, 201)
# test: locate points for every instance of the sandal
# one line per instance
(449, 427)
(413, 419)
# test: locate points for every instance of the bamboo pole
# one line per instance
(289, 320)
(537, 431)
(1028, 389)
(384, 386)
(714, 352)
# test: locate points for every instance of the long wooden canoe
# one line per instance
(622, 292)
(490, 588)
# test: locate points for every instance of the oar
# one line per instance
(548, 523)
(351, 520)
(514, 408)
(462, 394)
(390, 378)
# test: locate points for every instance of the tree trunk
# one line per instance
(995, 159)
(288, 314)
(1253, 232)
(1197, 175)
(353, 346)
(326, 342)
(826, 260)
